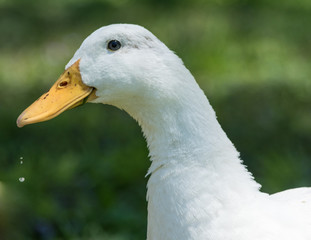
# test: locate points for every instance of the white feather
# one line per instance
(198, 187)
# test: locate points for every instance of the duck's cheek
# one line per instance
(68, 92)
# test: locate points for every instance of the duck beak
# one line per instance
(68, 92)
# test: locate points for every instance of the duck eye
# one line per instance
(114, 45)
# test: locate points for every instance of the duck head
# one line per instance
(121, 65)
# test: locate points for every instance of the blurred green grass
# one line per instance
(85, 169)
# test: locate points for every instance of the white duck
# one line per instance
(198, 187)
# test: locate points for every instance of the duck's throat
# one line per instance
(183, 131)
(195, 170)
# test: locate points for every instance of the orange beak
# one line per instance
(68, 92)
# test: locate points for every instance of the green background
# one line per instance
(84, 171)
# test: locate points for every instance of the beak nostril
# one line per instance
(63, 84)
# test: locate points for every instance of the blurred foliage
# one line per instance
(84, 171)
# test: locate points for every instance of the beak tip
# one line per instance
(20, 121)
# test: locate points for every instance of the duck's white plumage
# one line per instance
(198, 187)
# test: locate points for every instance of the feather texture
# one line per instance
(198, 187)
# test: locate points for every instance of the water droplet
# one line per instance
(21, 162)
(21, 179)
(21, 158)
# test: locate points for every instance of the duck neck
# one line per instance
(195, 171)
